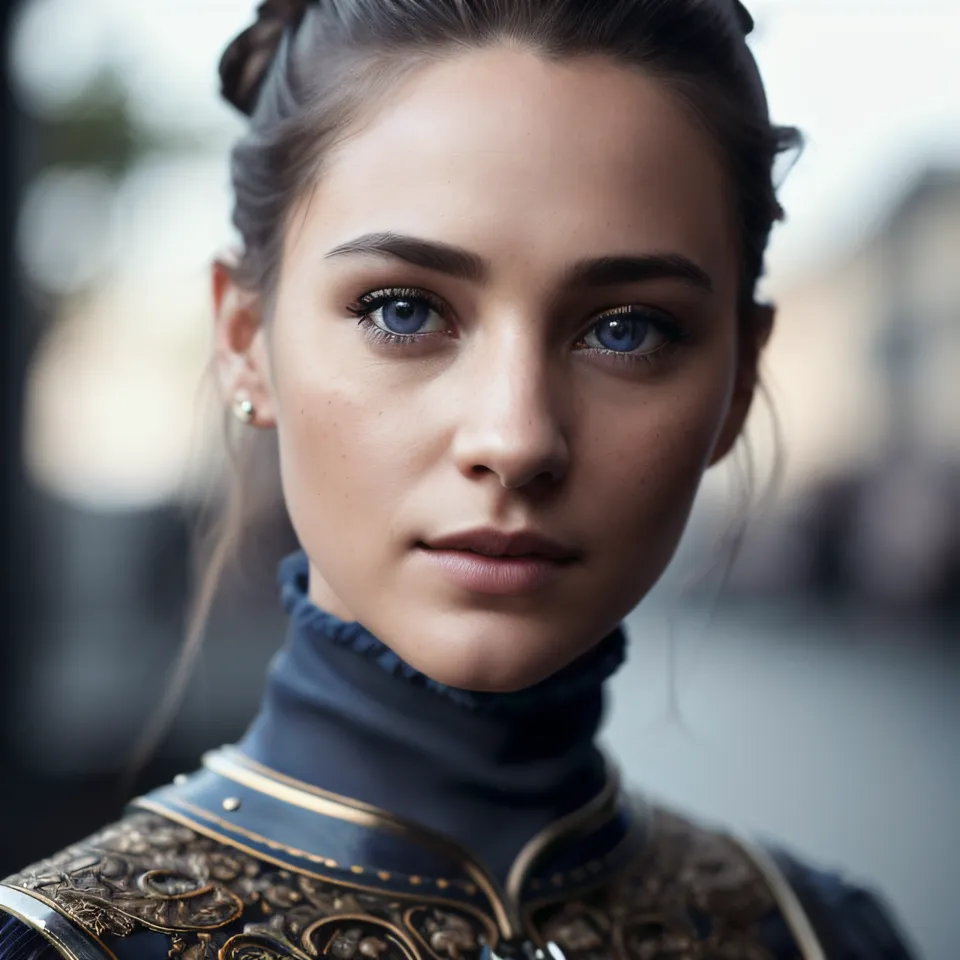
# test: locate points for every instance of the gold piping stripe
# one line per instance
(225, 760)
(66, 936)
(790, 906)
(231, 763)
(638, 829)
(161, 810)
(318, 802)
(234, 755)
(312, 857)
(579, 821)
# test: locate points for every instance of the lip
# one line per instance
(497, 562)
(489, 542)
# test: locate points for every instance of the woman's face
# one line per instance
(503, 351)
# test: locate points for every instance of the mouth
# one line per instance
(499, 562)
(500, 544)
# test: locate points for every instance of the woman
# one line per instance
(496, 298)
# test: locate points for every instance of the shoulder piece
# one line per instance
(690, 893)
(151, 887)
(18, 941)
(851, 922)
(146, 883)
(32, 929)
(167, 886)
(303, 829)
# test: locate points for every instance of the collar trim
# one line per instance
(577, 680)
(234, 799)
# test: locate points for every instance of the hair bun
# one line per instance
(744, 18)
(244, 64)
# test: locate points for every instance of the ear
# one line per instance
(240, 345)
(756, 327)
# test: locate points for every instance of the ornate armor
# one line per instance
(237, 862)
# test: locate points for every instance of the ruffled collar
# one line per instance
(344, 713)
(582, 678)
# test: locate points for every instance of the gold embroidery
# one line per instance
(217, 902)
(690, 895)
(339, 938)
(445, 935)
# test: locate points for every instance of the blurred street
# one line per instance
(836, 736)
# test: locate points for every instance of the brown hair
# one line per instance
(306, 69)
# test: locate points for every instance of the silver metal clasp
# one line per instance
(522, 950)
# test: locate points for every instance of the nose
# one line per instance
(511, 425)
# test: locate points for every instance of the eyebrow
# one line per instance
(462, 264)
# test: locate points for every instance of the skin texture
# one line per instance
(503, 414)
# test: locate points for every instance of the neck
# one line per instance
(343, 713)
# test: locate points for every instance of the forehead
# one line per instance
(512, 155)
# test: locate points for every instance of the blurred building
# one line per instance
(863, 370)
(866, 353)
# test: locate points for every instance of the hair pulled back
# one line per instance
(306, 68)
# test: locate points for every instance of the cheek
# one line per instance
(346, 453)
(644, 467)
(328, 455)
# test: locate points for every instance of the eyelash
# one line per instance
(666, 325)
(366, 304)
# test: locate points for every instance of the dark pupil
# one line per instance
(405, 316)
(622, 333)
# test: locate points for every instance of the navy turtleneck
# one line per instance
(342, 712)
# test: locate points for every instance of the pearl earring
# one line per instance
(244, 410)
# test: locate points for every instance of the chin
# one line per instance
(475, 661)
(502, 678)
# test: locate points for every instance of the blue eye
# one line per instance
(405, 316)
(626, 332)
(401, 313)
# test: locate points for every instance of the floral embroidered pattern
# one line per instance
(690, 895)
(217, 902)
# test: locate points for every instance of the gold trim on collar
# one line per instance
(191, 822)
(593, 813)
(790, 906)
(639, 829)
(41, 915)
(226, 760)
(230, 763)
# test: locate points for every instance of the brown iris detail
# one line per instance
(245, 62)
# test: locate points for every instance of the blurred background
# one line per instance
(805, 687)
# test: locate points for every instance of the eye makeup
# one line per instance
(405, 316)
